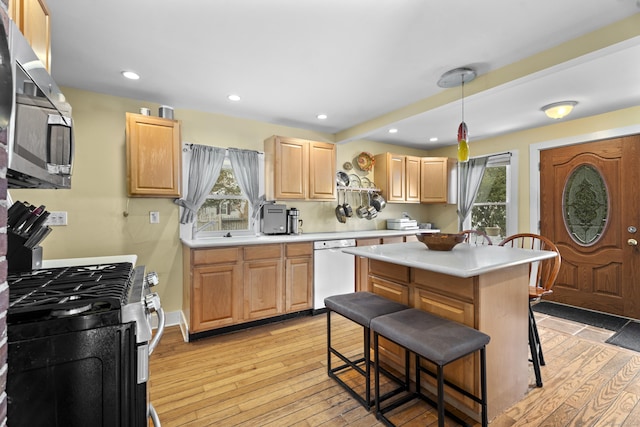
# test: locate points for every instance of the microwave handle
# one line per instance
(60, 120)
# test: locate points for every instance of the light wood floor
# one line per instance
(275, 375)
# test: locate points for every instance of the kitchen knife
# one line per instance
(35, 214)
(37, 237)
(38, 222)
(18, 209)
(25, 216)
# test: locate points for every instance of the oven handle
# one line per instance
(161, 323)
(154, 416)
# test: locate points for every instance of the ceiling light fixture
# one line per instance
(393, 130)
(233, 97)
(130, 75)
(321, 117)
(453, 78)
(433, 139)
(558, 110)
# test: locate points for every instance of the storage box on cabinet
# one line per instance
(298, 169)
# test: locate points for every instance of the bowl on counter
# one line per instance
(440, 241)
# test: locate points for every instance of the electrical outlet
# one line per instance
(56, 218)
(154, 217)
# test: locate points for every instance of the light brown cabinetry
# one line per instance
(398, 176)
(34, 21)
(299, 276)
(298, 169)
(153, 156)
(434, 176)
(234, 285)
(263, 285)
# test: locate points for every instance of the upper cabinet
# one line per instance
(398, 176)
(153, 156)
(434, 175)
(297, 169)
(33, 19)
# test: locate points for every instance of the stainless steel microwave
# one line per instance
(40, 136)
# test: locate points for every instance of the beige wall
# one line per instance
(104, 221)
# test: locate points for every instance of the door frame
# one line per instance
(534, 161)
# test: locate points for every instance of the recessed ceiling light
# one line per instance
(233, 97)
(130, 75)
(433, 139)
(393, 130)
(321, 116)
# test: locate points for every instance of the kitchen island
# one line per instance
(485, 287)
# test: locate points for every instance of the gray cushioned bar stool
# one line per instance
(438, 340)
(361, 308)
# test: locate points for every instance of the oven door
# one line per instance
(82, 378)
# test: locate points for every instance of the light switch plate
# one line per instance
(154, 217)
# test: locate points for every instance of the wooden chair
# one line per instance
(542, 277)
(476, 237)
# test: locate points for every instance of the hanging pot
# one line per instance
(340, 213)
(378, 202)
(361, 211)
(372, 212)
(348, 210)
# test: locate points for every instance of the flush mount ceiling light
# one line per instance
(130, 75)
(453, 78)
(558, 110)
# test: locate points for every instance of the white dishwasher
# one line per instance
(334, 272)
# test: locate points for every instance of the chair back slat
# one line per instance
(545, 271)
(476, 237)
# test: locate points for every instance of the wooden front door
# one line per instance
(590, 207)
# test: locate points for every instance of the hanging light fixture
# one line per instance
(558, 110)
(453, 78)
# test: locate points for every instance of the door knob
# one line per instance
(632, 242)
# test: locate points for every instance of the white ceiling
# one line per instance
(368, 64)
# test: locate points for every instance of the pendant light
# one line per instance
(453, 78)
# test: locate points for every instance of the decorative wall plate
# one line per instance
(347, 166)
(365, 161)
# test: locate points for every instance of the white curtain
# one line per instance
(246, 167)
(469, 178)
(204, 169)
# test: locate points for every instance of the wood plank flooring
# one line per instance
(275, 375)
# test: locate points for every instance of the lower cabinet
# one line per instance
(449, 297)
(234, 285)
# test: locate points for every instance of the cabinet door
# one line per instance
(34, 21)
(299, 284)
(322, 171)
(412, 169)
(434, 173)
(396, 178)
(362, 265)
(263, 289)
(395, 292)
(462, 372)
(291, 168)
(153, 156)
(216, 297)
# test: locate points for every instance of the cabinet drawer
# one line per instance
(398, 273)
(262, 252)
(457, 287)
(215, 256)
(299, 249)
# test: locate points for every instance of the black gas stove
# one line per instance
(79, 342)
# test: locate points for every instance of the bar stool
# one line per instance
(361, 308)
(437, 340)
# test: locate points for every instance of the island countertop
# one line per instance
(464, 260)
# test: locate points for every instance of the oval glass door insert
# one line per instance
(585, 205)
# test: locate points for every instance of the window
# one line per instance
(227, 208)
(495, 206)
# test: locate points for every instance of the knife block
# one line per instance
(21, 258)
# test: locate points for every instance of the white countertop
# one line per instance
(463, 261)
(305, 237)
